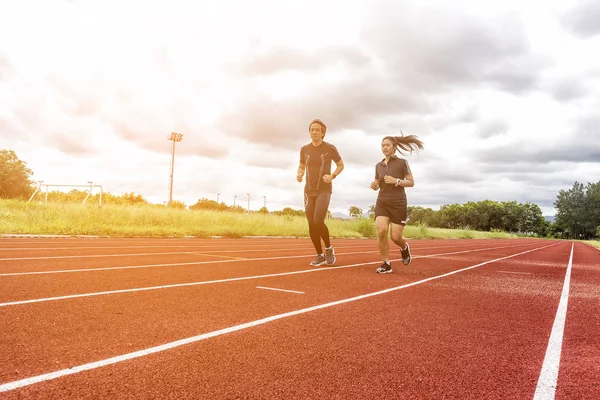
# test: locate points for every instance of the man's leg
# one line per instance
(321, 207)
(313, 228)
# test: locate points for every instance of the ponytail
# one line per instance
(408, 143)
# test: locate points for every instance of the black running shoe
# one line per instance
(406, 255)
(330, 256)
(384, 269)
(319, 260)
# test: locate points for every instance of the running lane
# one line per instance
(579, 374)
(477, 333)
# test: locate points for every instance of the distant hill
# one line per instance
(340, 215)
(550, 218)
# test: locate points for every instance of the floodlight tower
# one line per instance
(175, 137)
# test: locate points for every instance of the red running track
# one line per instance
(248, 318)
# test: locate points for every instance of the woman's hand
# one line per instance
(375, 185)
(299, 178)
(389, 179)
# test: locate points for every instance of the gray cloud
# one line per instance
(459, 51)
(568, 88)
(521, 168)
(72, 142)
(452, 173)
(573, 152)
(387, 86)
(514, 79)
(151, 133)
(584, 18)
(352, 105)
(579, 144)
(488, 129)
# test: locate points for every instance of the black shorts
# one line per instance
(393, 208)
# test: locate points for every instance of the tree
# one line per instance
(290, 211)
(420, 216)
(570, 210)
(14, 177)
(371, 211)
(593, 208)
(355, 212)
(533, 220)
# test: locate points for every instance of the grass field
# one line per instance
(18, 217)
(594, 243)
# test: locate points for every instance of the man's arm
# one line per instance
(339, 168)
(300, 173)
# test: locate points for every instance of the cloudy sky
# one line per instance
(505, 95)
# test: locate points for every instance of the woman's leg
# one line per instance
(398, 239)
(397, 235)
(383, 224)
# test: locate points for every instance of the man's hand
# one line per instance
(375, 185)
(299, 178)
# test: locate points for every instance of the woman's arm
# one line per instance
(408, 181)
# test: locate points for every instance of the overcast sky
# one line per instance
(505, 95)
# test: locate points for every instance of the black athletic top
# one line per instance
(317, 161)
(396, 167)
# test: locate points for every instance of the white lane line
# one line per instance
(169, 265)
(244, 278)
(198, 246)
(167, 346)
(64, 271)
(208, 249)
(279, 290)
(213, 250)
(204, 245)
(514, 272)
(546, 385)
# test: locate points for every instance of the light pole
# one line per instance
(218, 197)
(265, 197)
(234, 197)
(248, 201)
(175, 137)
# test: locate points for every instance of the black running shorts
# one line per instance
(393, 208)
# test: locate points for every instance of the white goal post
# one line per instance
(90, 188)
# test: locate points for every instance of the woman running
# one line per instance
(392, 175)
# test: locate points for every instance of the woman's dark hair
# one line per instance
(408, 143)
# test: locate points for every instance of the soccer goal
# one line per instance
(44, 187)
